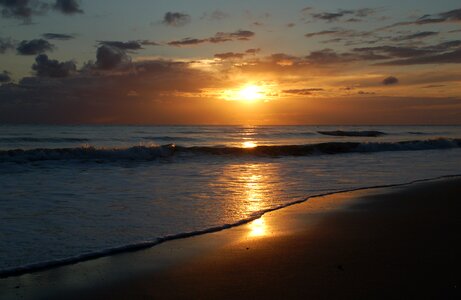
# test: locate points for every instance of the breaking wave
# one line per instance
(367, 133)
(147, 153)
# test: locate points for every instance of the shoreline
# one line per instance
(49, 265)
(131, 274)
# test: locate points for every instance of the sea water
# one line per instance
(69, 193)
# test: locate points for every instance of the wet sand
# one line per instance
(388, 243)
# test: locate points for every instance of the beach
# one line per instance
(395, 243)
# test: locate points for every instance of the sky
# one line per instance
(230, 62)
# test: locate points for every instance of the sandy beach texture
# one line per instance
(388, 243)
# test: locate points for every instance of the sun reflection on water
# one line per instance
(258, 228)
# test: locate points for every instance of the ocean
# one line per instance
(71, 193)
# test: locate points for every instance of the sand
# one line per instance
(388, 243)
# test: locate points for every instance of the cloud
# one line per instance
(23, 9)
(45, 67)
(5, 77)
(68, 7)
(418, 35)
(229, 55)
(6, 44)
(253, 51)
(444, 17)
(219, 37)
(391, 80)
(148, 43)
(320, 33)
(34, 47)
(303, 92)
(443, 58)
(58, 36)
(176, 19)
(109, 57)
(131, 45)
(215, 15)
(336, 16)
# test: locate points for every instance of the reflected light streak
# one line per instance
(258, 228)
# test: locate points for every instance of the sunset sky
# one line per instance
(230, 62)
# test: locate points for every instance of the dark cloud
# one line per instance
(329, 56)
(291, 25)
(229, 55)
(5, 77)
(6, 44)
(23, 9)
(319, 33)
(68, 7)
(302, 92)
(148, 43)
(97, 97)
(330, 17)
(418, 35)
(390, 80)
(131, 45)
(220, 37)
(442, 58)
(444, 17)
(45, 67)
(58, 36)
(109, 57)
(187, 42)
(253, 51)
(34, 47)
(176, 19)
(393, 51)
(215, 15)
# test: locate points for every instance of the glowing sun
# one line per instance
(247, 93)
(250, 93)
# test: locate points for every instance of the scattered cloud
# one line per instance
(444, 17)
(391, 80)
(131, 45)
(253, 51)
(229, 55)
(109, 57)
(68, 7)
(321, 33)
(220, 37)
(338, 15)
(5, 77)
(23, 9)
(6, 44)
(303, 92)
(34, 47)
(45, 67)
(176, 19)
(215, 15)
(58, 36)
(414, 36)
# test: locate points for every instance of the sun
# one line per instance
(247, 93)
(250, 93)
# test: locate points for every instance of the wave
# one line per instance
(42, 140)
(45, 265)
(367, 133)
(169, 138)
(147, 153)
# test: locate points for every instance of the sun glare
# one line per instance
(249, 144)
(248, 93)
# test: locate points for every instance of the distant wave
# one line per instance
(147, 153)
(42, 140)
(369, 133)
(169, 138)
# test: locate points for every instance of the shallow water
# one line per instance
(56, 204)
